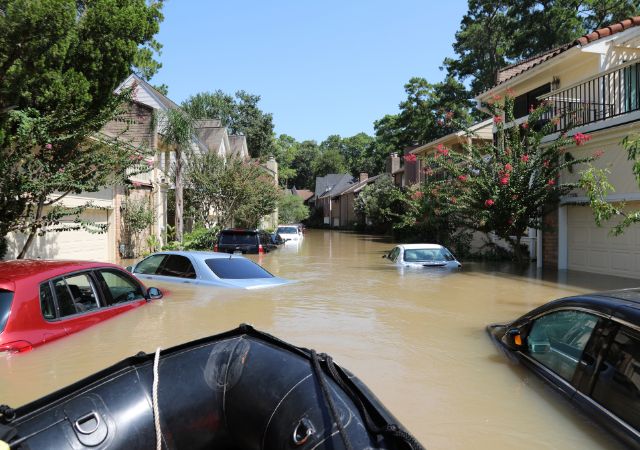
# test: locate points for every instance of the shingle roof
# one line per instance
(506, 73)
(358, 186)
(332, 184)
(211, 137)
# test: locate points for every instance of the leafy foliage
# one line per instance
(385, 206)
(137, 216)
(240, 114)
(60, 61)
(291, 209)
(506, 186)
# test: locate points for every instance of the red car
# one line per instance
(45, 300)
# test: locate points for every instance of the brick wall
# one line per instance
(550, 240)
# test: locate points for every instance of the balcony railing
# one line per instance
(602, 97)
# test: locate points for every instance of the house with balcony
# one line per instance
(593, 86)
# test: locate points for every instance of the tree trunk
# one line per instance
(179, 219)
(33, 230)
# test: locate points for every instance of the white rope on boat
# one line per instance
(154, 399)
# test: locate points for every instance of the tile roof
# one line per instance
(506, 73)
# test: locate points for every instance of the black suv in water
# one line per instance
(241, 240)
(588, 348)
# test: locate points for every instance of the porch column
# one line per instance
(539, 249)
(562, 238)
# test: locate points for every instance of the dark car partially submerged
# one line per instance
(588, 348)
(242, 240)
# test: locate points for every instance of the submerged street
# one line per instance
(415, 337)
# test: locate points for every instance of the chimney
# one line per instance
(393, 163)
(363, 176)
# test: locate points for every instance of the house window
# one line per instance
(524, 102)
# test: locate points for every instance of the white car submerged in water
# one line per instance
(422, 255)
(289, 232)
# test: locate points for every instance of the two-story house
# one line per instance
(593, 86)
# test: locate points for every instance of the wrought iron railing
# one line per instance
(601, 97)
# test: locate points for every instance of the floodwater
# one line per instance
(416, 338)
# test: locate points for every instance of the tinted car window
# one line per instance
(120, 287)
(6, 298)
(618, 385)
(427, 254)
(177, 266)
(150, 265)
(558, 339)
(75, 294)
(46, 302)
(236, 268)
(238, 238)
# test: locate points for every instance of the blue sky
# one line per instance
(321, 67)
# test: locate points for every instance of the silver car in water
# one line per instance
(205, 268)
(422, 255)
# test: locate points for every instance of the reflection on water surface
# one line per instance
(415, 337)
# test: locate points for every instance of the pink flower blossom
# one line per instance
(510, 222)
(497, 119)
(507, 151)
(428, 171)
(441, 149)
(525, 125)
(508, 167)
(61, 170)
(149, 162)
(504, 181)
(488, 203)
(440, 122)
(598, 154)
(496, 97)
(580, 138)
(524, 158)
(449, 115)
(417, 195)
(410, 157)
(551, 182)
(545, 163)
(462, 178)
(454, 200)
(48, 146)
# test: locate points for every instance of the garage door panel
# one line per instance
(592, 249)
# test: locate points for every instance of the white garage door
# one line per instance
(592, 249)
(68, 244)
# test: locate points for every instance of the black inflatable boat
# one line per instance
(242, 389)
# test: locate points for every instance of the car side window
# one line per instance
(46, 302)
(149, 266)
(75, 294)
(558, 339)
(177, 266)
(393, 256)
(120, 288)
(618, 385)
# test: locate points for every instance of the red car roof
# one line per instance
(21, 269)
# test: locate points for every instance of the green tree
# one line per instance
(240, 114)
(60, 61)
(328, 160)
(226, 191)
(385, 207)
(291, 209)
(306, 154)
(285, 151)
(507, 186)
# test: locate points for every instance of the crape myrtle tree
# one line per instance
(60, 61)
(223, 192)
(507, 186)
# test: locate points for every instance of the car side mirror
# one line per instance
(129, 269)
(153, 293)
(514, 339)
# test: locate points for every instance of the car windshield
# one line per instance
(427, 254)
(237, 238)
(6, 297)
(287, 230)
(236, 268)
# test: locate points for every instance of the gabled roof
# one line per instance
(305, 194)
(162, 100)
(213, 138)
(332, 184)
(506, 73)
(358, 186)
(238, 146)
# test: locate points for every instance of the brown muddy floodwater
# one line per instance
(415, 338)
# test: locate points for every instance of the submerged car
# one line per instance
(422, 255)
(205, 268)
(242, 240)
(588, 348)
(289, 232)
(41, 301)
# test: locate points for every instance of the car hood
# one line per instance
(289, 235)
